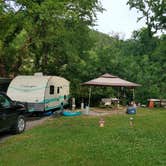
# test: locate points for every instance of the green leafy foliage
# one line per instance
(153, 11)
(55, 37)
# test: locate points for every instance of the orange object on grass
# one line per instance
(151, 104)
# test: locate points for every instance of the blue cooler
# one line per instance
(131, 110)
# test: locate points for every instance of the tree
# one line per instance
(154, 13)
(57, 28)
(12, 38)
(145, 44)
(56, 31)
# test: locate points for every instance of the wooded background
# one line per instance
(56, 38)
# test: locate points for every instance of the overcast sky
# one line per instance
(118, 18)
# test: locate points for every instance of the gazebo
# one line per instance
(110, 80)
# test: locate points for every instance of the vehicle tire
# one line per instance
(20, 125)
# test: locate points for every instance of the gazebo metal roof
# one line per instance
(110, 80)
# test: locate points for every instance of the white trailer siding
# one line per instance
(28, 88)
(60, 87)
(40, 92)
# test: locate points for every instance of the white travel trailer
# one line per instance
(41, 93)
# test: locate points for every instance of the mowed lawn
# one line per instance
(80, 141)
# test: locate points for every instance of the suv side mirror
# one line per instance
(13, 103)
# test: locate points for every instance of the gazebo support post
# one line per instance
(90, 92)
(118, 97)
(118, 92)
(133, 95)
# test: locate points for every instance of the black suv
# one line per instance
(12, 115)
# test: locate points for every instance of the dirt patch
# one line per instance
(106, 111)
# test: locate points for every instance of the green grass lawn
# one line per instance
(80, 141)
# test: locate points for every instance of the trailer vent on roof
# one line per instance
(38, 74)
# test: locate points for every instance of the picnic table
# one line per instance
(109, 101)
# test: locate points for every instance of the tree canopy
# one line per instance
(56, 38)
(153, 11)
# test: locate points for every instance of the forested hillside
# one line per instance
(56, 38)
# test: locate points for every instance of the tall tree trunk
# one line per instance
(45, 58)
(3, 72)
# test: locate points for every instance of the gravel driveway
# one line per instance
(31, 122)
(35, 121)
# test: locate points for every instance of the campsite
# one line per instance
(82, 82)
(79, 141)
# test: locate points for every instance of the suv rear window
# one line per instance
(4, 102)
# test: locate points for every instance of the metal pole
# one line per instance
(133, 95)
(90, 91)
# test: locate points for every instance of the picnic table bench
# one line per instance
(109, 101)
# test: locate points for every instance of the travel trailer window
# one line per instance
(51, 89)
(58, 90)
